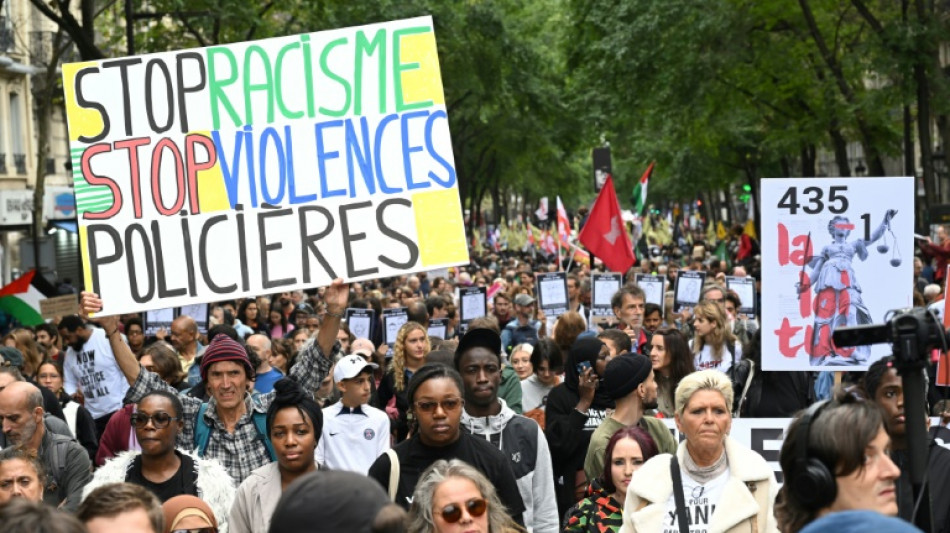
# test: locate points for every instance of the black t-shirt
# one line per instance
(185, 481)
(415, 457)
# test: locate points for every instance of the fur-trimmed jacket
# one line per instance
(215, 486)
(746, 503)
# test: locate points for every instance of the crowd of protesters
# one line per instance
(273, 416)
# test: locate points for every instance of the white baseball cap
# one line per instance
(350, 366)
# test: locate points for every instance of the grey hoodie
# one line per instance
(532, 466)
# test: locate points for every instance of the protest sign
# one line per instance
(654, 289)
(472, 302)
(360, 322)
(438, 327)
(552, 291)
(744, 287)
(393, 319)
(59, 306)
(831, 255)
(157, 319)
(603, 287)
(264, 166)
(688, 289)
(762, 435)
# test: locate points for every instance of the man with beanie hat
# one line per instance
(478, 360)
(629, 382)
(230, 427)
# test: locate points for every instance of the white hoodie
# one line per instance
(536, 486)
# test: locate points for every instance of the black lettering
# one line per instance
(182, 88)
(189, 254)
(310, 241)
(163, 290)
(130, 262)
(757, 439)
(349, 238)
(203, 256)
(242, 247)
(123, 65)
(81, 100)
(95, 261)
(389, 232)
(262, 217)
(169, 97)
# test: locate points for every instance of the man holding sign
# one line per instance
(228, 427)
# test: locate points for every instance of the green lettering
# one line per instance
(216, 86)
(399, 68)
(308, 73)
(267, 85)
(278, 76)
(325, 68)
(366, 47)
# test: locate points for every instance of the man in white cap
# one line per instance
(354, 433)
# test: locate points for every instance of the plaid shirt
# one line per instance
(240, 451)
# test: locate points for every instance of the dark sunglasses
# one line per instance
(159, 420)
(476, 507)
(448, 404)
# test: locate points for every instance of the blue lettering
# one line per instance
(271, 133)
(231, 171)
(438, 158)
(249, 148)
(376, 154)
(291, 174)
(323, 156)
(408, 149)
(362, 156)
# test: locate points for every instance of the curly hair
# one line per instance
(720, 335)
(568, 327)
(421, 513)
(398, 367)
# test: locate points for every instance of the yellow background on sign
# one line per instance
(425, 82)
(82, 121)
(440, 228)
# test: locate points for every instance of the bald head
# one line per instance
(184, 334)
(21, 410)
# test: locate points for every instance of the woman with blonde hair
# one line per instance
(454, 496)
(32, 357)
(409, 355)
(714, 346)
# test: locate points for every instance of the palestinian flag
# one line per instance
(21, 298)
(639, 197)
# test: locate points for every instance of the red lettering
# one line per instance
(179, 176)
(804, 297)
(785, 335)
(93, 179)
(132, 146)
(782, 245)
(797, 257)
(195, 167)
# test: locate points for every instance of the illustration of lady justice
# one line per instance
(838, 299)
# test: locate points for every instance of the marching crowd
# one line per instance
(277, 418)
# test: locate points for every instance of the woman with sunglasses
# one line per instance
(454, 496)
(435, 396)
(159, 467)
(294, 424)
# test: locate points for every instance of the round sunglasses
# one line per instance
(476, 507)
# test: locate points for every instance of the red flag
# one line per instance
(604, 233)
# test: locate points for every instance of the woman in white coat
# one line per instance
(723, 486)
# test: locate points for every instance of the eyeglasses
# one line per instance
(476, 507)
(197, 530)
(159, 420)
(448, 404)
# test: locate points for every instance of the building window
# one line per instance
(17, 133)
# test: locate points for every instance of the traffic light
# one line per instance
(746, 193)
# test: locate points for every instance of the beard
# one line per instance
(651, 404)
(25, 434)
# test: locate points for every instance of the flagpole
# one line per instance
(571, 261)
(560, 266)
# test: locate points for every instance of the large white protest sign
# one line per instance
(263, 166)
(833, 255)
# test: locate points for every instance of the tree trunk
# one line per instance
(921, 59)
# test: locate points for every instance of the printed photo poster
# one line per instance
(438, 327)
(552, 291)
(603, 288)
(157, 319)
(744, 287)
(832, 250)
(653, 289)
(688, 289)
(393, 320)
(472, 303)
(360, 321)
(251, 168)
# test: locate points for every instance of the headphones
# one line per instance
(813, 484)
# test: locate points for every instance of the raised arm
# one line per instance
(336, 297)
(128, 364)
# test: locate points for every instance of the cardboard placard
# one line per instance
(744, 287)
(688, 289)
(393, 320)
(603, 287)
(472, 303)
(654, 289)
(68, 304)
(438, 327)
(265, 166)
(360, 321)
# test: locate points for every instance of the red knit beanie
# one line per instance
(224, 348)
